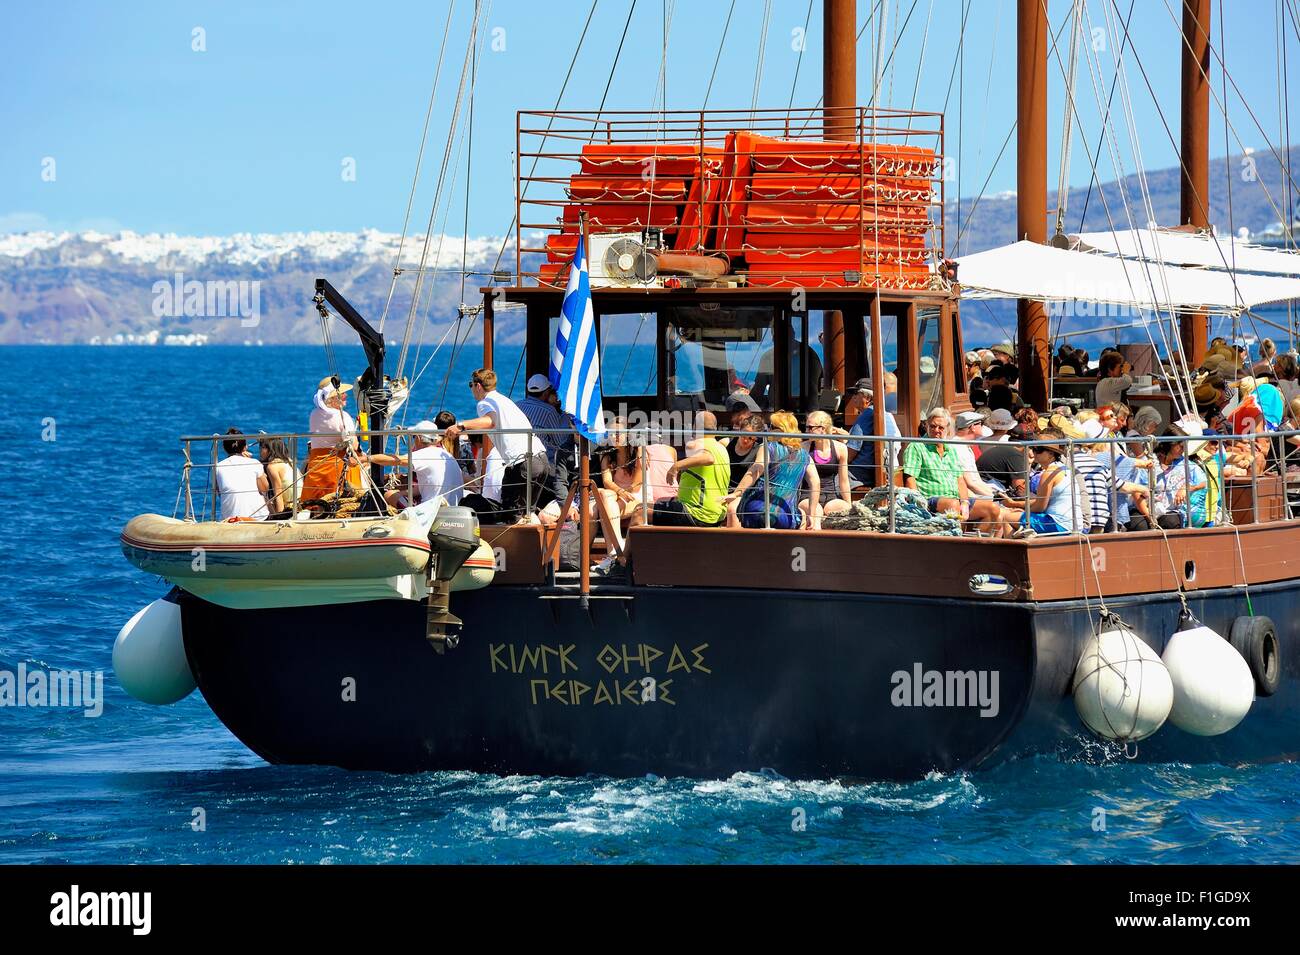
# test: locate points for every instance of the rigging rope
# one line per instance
(442, 174)
(514, 218)
(469, 163)
(762, 53)
(419, 159)
(1063, 182)
(725, 26)
(789, 106)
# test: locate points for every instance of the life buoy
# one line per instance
(1255, 638)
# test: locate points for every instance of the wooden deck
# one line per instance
(1040, 569)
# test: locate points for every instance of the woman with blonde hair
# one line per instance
(831, 459)
(783, 465)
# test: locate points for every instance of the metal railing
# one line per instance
(872, 201)
(642, 438)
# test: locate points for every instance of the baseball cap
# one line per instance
(741, 400)
(862, 384)
(426, 427)
(538, 384)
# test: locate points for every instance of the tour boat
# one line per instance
(854, 654)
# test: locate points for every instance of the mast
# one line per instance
(1195, 159)
(1032, 330)
(839, 123)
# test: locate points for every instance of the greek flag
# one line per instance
(575, 363)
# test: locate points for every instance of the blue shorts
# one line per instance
(1043, 523)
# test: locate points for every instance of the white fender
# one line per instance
(1213, 685)
(1122, 690)
(149, 656)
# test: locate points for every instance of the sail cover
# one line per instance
(1188, 248)
(1047, 274)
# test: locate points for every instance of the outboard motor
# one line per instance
(454, 536)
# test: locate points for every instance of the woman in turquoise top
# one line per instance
(787, 465)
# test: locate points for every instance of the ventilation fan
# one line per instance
(621, 259)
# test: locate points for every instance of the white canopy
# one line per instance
(1188, 248)
(1046, 274)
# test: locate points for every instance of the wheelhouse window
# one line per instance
(709, 352)
(628, 360)
(929, 357)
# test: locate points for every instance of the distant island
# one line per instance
(132, 289)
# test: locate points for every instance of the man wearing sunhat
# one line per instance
(333, 442)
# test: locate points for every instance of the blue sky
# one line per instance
(250, 134)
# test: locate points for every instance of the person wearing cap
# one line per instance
(437, 473)
(969, 426)
(859, 400)
(521, 453)
(541, 406)
(740, 403)
(862, 454)
(333, 444)
(983, 502)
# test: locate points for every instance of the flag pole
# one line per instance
(584, 478)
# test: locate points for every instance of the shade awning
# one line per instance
(1043, 273)
(1193, 249)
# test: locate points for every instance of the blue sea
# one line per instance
(90, 439)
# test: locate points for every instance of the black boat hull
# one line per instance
(693, 682)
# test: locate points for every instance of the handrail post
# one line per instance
(767, 490)
(644, 453)
(212, 483)
(888, 471)
(1254, 480)
(1029, 466)
(1113, 523)
(189, 491)
(1075, 504)
(295, 476)
(528, 478)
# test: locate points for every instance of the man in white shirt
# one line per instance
(240, 481)
(522, 453)
(436, 472)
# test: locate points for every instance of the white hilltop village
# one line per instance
(101, 288)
